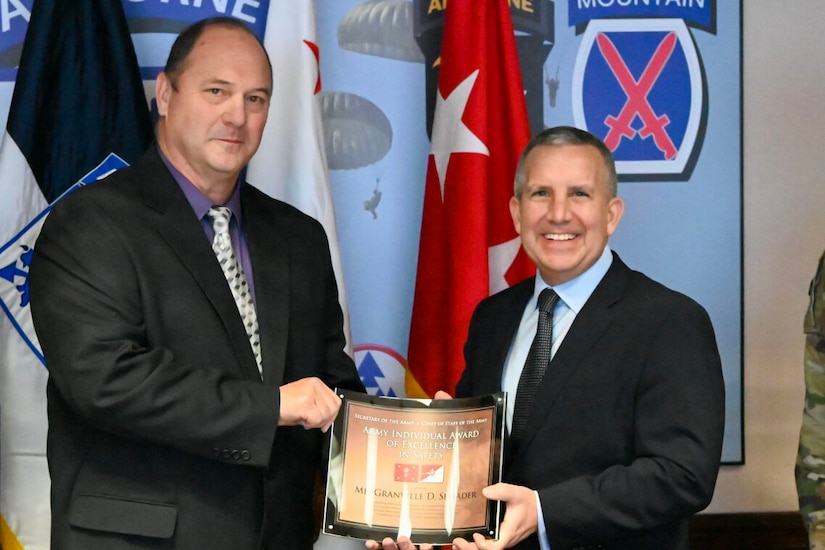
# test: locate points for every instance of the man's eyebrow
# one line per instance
(210, 81)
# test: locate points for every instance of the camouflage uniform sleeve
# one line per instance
(810, 460)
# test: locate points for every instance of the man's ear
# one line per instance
(163, 89)
(515, 212)
(615, 209)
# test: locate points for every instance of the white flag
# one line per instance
(291, 164)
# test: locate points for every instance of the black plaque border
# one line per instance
(333, 525)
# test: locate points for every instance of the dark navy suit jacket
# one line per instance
(624, 440)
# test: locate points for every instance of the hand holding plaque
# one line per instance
(414, 468)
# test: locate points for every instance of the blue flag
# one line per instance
(78, 95)
(78, 112)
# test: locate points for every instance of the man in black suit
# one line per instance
(623, 440)
(181, 416)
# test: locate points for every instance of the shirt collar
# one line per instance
(199, 202)
(576, 292)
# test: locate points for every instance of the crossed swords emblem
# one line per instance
(637, 91)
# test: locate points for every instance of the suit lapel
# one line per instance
(269, 254)
(589, 326)
(182, 231)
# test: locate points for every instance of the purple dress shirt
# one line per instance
(201, 205)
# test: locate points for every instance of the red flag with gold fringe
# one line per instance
(469, 248)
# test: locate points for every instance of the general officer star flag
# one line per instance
(469, 248)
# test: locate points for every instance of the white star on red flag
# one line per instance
(450, 134)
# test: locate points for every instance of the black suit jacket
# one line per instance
(624, 440)
(161, 432)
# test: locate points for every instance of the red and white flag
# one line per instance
(469, 248)
(291, 164)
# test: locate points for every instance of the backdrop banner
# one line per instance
(661, 85)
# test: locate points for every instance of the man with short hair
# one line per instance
(622, 440)
(191, 327)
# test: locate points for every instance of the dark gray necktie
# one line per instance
(536, 363)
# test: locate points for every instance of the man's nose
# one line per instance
(234, 112)
(558, 209)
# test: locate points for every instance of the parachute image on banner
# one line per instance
(356, 132)
(383, 28)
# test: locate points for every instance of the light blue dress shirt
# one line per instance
(572, 297)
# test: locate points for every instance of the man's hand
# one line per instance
(308, 402)
(520, 520)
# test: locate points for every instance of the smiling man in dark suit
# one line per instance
(190, 378)
(622, 441)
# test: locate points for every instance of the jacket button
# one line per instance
(246, 455)
(236, 454)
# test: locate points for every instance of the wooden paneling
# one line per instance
(762, 531)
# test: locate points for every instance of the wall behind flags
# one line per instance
(682, 187)
(766, 247)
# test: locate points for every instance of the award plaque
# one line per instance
(414, 467)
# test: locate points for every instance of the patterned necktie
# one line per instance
(232, 270)
(536, 363)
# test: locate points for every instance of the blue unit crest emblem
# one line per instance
(637, 84)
